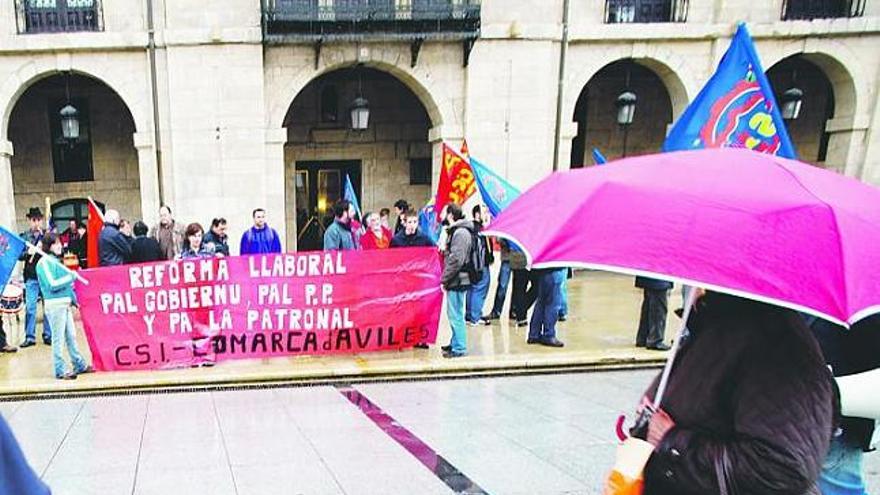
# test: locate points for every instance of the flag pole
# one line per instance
(54, 260)
(92, 201)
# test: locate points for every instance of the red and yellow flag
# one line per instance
(457, 182)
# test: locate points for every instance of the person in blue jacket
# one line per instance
(260, 238)
(16, 476)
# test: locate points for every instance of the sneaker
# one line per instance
(533, 341)
(522, 323)
(86, 370)
(470, 323)
(47, 341)
(27, 343)
(8, 348)
(67, 376)
(659, 347)
(421, 346)
(554, 342)
(484, 322)
(451, 354)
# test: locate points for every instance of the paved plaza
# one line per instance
(538, 434)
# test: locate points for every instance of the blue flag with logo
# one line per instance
(11, 247)
(428, 223)
(735, 109)
(598, 157)
(497, 193)
(349, 195)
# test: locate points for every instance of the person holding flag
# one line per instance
(34, 235)
(11, 247)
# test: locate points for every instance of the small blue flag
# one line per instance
(598, 157)
(735, 109)
(350, 196)
(428, 223)
(497, 193)
(11, 247)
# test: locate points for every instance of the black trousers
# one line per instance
(652, 324)
(525, 291)
(2, 334)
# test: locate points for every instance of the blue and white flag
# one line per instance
(598, 157)
(351, 197)
(735, 109)
(11, 247)
(497, 193)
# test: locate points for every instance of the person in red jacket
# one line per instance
(376, 236)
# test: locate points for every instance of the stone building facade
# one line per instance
(252, 107)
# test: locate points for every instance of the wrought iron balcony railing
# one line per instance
(821, 9)
(641, 11)
(328, 20)
(58, 16)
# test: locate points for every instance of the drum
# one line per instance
(12, 300)
(71, 261)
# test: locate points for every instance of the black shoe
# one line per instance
(67, 376)
(554, 342)
(446, 348)
(659, 347)
(27, 343)
(533, 341)
(522, 323)
(86, 371)
(451, 354)
(47, 341)
(640, 344)
(484, 322)
(562, 317)
(491, 316)
(420, 346)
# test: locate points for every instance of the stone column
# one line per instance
(569, 132)
(846, 144)
(275, 183)
(148, 175)
(7, 194)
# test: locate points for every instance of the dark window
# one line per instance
(640, 11)
(329, 104)
(821, 9)
(58, 16)
(71, 160)
(420, 171)
(72, 209)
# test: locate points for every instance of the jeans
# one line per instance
(563, 293)
(652, 324)
(455, 312)
(61, 317)
(542, 327)
(501, 292)
(477, 297)
(32, 293)
(842, 471)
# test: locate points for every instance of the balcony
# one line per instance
(58, 16)
(643, 11)
(356, 20)
(793, 10)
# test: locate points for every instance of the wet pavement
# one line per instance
(547, 434)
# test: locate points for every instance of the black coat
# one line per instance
(114, 246)
(652, 283)
(750, 379)
(145, 249)
(417, 239)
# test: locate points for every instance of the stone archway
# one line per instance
(595, 113)
(392, 159)
(824, 132)
(103, 163)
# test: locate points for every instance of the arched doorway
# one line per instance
(807, 128)
(391, 159)
(596, 113)
(99, 162)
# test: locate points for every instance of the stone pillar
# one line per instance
(7, 194)
(275, 182)
(148, 175)
(569, 132)
(846, 145)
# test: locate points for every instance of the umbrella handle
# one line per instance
(667, 369)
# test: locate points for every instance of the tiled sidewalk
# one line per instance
(600, 332)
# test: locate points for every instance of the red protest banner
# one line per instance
(183, 313)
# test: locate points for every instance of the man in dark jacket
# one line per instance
(338, 236)
(456, 279)
(215, 238)
(480, 288)
(749, 403)
(847, 352)
(30, 257)
(144, 249)
(113, 247)
(655, 305)
(411, 236)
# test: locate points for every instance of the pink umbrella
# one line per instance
(730, 220)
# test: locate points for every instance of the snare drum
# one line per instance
(12, 300)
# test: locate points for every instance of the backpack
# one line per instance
(476, 258)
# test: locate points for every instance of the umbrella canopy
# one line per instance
(730, 220)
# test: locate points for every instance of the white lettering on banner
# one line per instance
(157, 275)
(191, 297)
(179, 323)
(297, 265)
(274, 294)
(117, 303)
(149, 319)
(225, 320)
(299, 319)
